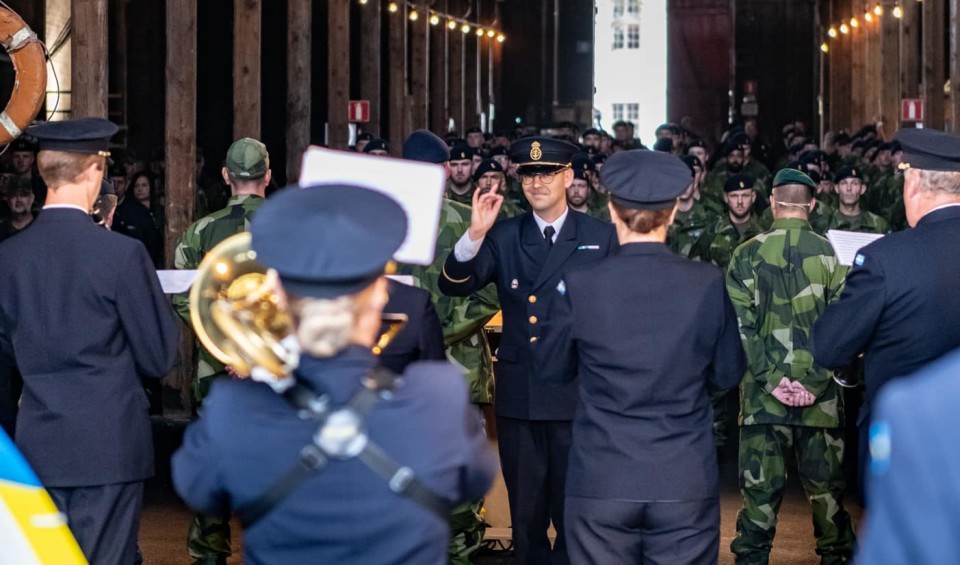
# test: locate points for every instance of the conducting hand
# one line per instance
(483, 214)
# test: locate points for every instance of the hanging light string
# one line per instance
(848, 26)
(452, 22)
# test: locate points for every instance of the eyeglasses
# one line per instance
(545, 178)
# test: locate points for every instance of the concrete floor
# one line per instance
(165, 520)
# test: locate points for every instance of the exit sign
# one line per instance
(358, 111)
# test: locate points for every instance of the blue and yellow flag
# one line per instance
(32, 530)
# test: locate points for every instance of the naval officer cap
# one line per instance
(645, 180)
(83, 135)
(536, 155)
(426, 146)
(929, 150)
(329, 240)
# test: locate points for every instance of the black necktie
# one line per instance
(548, 235)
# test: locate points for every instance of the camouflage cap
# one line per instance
(247, 159)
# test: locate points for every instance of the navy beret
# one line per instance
(930, 150)
(498, 150)
(849, 172)
(664, 144)
(474, 129)
(582, 161)
(462, 153)
(486, 166)
(21, 144)
(541, 154)
(692, 161)
(376, 144)
(590, 131)
(81, 135)
(697, 143)
(738, 182)
(424, 145)
(328, 240)
(365, 136)
(645, 180)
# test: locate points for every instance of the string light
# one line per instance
(897, 12)
(479, 32)
(824, 47)
(392, 7)
(465, 28)
(832, 32)
(878, 9)
(491, 33)
(414, 16)
(844, 29)
(363, 2)
(501, 38)
(434, 20)
(854, 23)
(868, 17)
(452, 24)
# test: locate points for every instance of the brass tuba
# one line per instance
(236, 313)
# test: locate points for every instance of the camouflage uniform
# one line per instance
(688, 227)
(465, 199)
(718, 244)
(866, 222)
(462, 319)
(209, 536)
(779, 283)
(598, 203)
(712, 188)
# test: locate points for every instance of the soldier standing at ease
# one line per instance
(247, 171)
(736, 226)
(460, 183)
(693, 218)
(780, 282)
(850, 214)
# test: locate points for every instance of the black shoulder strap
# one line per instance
(379, 383)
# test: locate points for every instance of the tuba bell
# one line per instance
(236, 314)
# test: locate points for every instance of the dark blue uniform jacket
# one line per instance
(248, 437)
(516, 257)
(82, 312)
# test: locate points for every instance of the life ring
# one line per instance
(30, 65)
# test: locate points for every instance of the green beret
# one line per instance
(793, 176)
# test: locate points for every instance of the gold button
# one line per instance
(532, 299)
(533, 339)
(533, 319)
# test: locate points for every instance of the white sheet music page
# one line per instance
(846, 244)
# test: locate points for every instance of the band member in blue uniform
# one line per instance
(82, 314)
(642, 483)
(526, 257)
(421, 338)
(372, 476)
(900, 305)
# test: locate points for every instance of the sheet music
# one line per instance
(846, 244)
(176, 281)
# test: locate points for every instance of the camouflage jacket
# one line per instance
(718, 244)
(688, 227)
(465, 199)
(202, 236)
(780, 282)
(867, 222)
(462, 318)
(598, 203)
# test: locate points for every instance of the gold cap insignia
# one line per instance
(742, 185)
(535, 152)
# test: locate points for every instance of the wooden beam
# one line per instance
(910, 50)
(932, 14)
(471, 83)
(89, 53)
(370, 54)
(439, 62)
(246, 68)
(419, 67)
(840, 80)
(858, 72)
(180, 142)
(299, 21)
(871, 33)
(338, 73)
(890, 72)
(398, 77)
(457, 80)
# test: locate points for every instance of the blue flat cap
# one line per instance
(541, 154)
(645, 180)
(327, 240)
(82, 135)
(486, 166)
(738, 182)
(929, 150)
(424, 145)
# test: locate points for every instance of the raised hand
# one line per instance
(483, 214)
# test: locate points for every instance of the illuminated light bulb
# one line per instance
(897, 12)
(844, 29)
(854, 23)
(501, 38)
(363, 2)
(480, 32)
(878, 9)
(434, 20)
(832, 32)
(491, 33)
(413, 15)
(824, 47)
(465, 28)
(452, 24)
(392, 7)
(868, 17)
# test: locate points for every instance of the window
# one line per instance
(618, 37)
(633, 36)
(618, 8)
(617, 112)
(633, 8)
(633, 112)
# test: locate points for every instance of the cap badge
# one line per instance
(535, 152)
(741, 185)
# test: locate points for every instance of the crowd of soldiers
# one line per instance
(756, 211)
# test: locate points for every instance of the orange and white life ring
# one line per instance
(30, 65)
